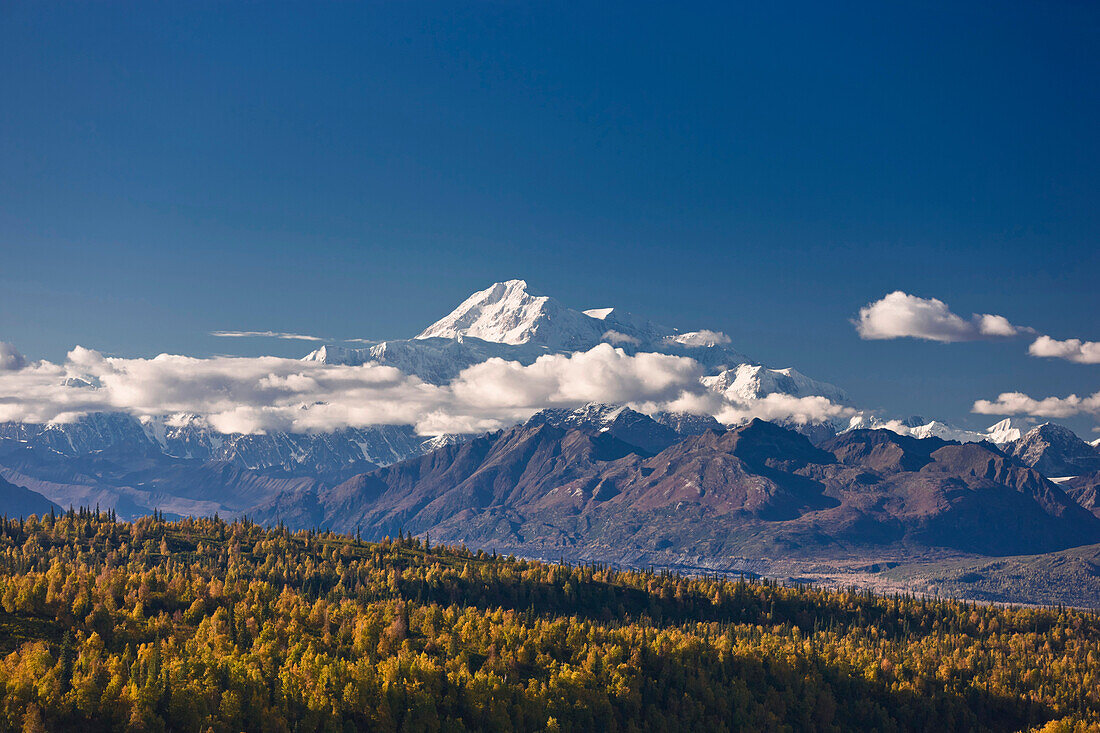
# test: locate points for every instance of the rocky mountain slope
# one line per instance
(185, 436)
(1085, 490)
(133, 485)
(18, 501)
(1055, 451)
(757, 490)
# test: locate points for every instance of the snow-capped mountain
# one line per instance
(1001, 433)
(1052, 450)
(619, 421)
(1055, 451)
(507, 320)
(97, 431)
(689, 423)
(1010, 429)
(510, 321)
(187, 437)
(747, 382)
(920, 428)
(509, 313)
(436, 360)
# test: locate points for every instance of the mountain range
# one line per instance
(506, 321)
(580, 485)
(597, 481)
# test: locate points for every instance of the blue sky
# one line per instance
(355, 170)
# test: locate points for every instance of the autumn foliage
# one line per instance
(203, 625)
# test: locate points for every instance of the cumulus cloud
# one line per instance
(732, 409)
(10, 358)
(234, 394)
(799, 410)
(614, 337)
(1018, 403)
(602, 374)
(1076, 350)
(266, 334)
(251, 395)
(900, 315)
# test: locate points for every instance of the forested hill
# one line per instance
(202, 625)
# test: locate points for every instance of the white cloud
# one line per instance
(777, 406)
(249, 395)
(10, 358)
(234, 394)
(267, 334)
(614, 337)
(604, 374)
(732, 409)
(1018, 403)
(996, 326)
(900, 315)
(1076, 350)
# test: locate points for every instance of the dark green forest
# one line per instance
(203, 625)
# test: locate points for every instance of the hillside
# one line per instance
(18, 501)
(199, 625)
(1066, 577)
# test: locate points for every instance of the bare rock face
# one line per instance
(1085, 490)
(1055, 451)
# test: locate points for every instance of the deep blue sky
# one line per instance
(356, 169)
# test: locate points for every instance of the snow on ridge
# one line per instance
(509, 313)
(1010, 429)
(748, 382)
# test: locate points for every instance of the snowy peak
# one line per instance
(689, 423)
(618, 421)
(917, 427)
(1008, 430)
(943, 431)
(748, 382)
(1053, 450)
(510, 321)
(329, 354)
(510, 313)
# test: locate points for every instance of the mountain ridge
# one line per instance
(756, 489)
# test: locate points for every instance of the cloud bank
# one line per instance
(900, 315)
(251, 395)
(1018, 403)
(1075, 350)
